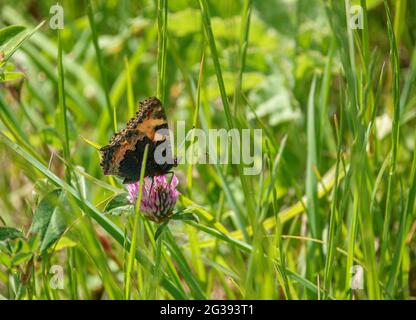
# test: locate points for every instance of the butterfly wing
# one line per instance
(123, 156)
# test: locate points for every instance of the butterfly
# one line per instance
(123, 156)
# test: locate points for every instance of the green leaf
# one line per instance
(161, 229)
(8, 76)
(63, 243)
(123, 210)
(7, 233)
(13, 44)
(21, 258)
(9, 32)
(185, 217)
(5, 260)
(48, 221)
(120, 200)
(119, 205)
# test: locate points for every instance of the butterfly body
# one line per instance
(123, 156)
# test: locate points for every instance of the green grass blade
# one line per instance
(62, 105)
(133, 245)
(394, 56)
(110, 108)
(162, 27)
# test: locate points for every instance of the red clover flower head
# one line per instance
(158, 197)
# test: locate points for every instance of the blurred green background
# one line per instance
(296, 70)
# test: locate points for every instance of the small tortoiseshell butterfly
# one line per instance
(123, 155)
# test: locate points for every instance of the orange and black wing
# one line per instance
(123, 156)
